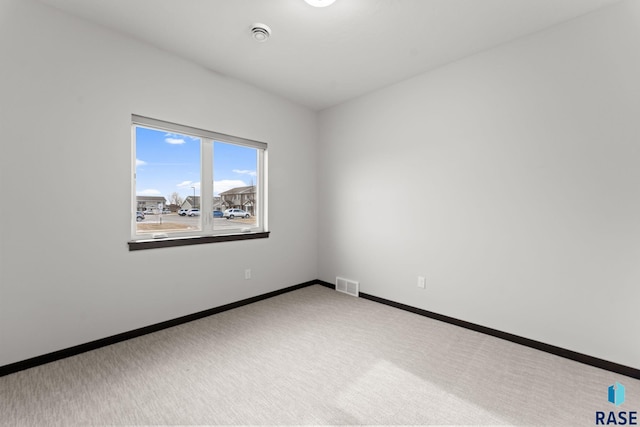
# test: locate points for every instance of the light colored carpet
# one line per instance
(312, 356)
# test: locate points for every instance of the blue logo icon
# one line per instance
(616, 394)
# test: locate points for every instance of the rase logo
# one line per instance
(616, 396)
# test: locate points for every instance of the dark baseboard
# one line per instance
(93, 345)
(326, 284)
(558, 351)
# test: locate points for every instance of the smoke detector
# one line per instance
(260, 32)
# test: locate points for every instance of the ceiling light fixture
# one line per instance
(260, 32)
(320, 3)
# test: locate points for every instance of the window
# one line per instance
(195, 186)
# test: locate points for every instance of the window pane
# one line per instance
(167, 182)
(235, 184)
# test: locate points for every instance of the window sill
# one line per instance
(137, 245)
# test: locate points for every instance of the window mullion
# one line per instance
(206, 185)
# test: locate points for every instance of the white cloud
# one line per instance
(188, 184)
(226, 184)
(149, 192)
(245, 172)
(140, 162)
(176, 138)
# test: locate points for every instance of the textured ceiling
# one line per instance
(320, 57)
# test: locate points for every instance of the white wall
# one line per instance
(511, 179)
(67, 92)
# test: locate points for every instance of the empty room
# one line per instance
(317, 212)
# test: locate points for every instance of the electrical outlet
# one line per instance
(247, 274)
(422, 282)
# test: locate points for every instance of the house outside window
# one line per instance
(240, 198)
(150, 203)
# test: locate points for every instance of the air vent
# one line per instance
(347, 286)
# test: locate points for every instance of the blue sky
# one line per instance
(169, 162)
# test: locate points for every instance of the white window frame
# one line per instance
(208, 138)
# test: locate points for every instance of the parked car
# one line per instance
(183, 212)
(148, 212)
(217, 214)
(193, 212)
(166, 211)
(139, 216)
(232, 213)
